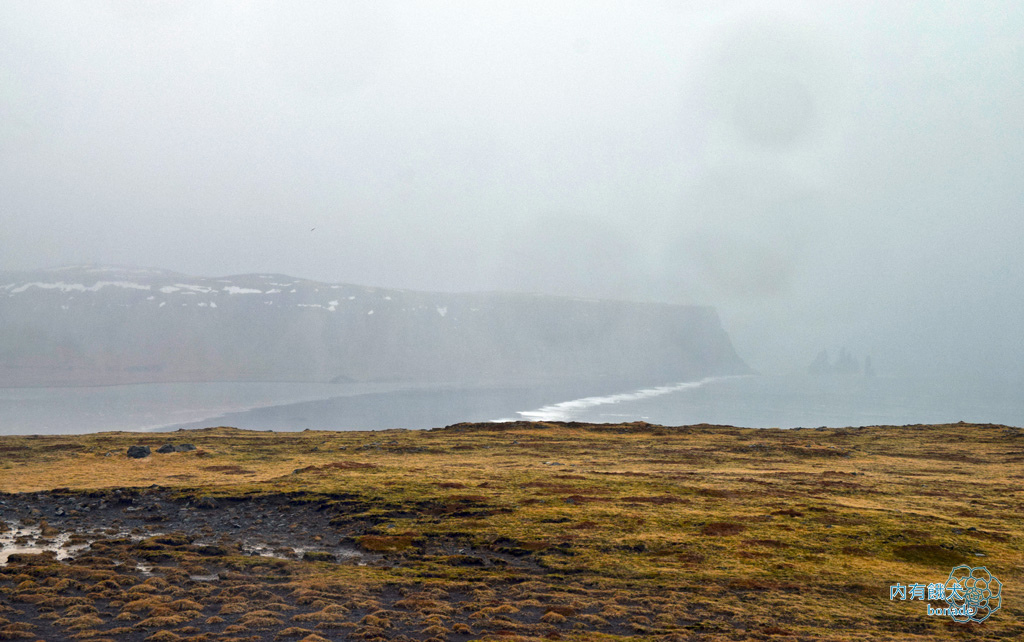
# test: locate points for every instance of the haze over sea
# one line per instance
(516, 192)
(753, 401)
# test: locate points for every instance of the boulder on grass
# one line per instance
(138, 452)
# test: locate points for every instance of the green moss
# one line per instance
(930, 555)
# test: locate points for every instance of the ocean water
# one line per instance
(753, 401)
(142, 407)
(800, 401)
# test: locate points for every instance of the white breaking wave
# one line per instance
(566, 410)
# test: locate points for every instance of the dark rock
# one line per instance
(138, 452)
(166, 448)
(181, 448)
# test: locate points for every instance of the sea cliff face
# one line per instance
(102, 326)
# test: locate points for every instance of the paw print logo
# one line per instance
(973, 594)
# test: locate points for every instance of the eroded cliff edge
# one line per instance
(103, 325)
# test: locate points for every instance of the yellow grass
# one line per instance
(626, 532)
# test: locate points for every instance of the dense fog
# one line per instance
(827, 175)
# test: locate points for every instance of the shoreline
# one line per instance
(740, 400)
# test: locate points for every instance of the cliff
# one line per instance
(101, 325)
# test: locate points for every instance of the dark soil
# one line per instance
(234, 568)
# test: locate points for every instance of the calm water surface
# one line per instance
(756, 401)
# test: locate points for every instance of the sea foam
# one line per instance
(568, 410)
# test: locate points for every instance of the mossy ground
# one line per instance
(537, 531)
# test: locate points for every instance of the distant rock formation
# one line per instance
(100, 325)
(845, 364)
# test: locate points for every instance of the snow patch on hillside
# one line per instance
(79, 287)
(202, 289)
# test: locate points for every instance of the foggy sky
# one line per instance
(844, 174)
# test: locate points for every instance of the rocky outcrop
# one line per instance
(89, 326)
(171, 448)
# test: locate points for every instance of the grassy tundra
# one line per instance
(519, 531)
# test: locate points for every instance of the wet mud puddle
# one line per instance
(68, 526)
(28, 539)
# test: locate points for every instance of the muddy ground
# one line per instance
(75, 563)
